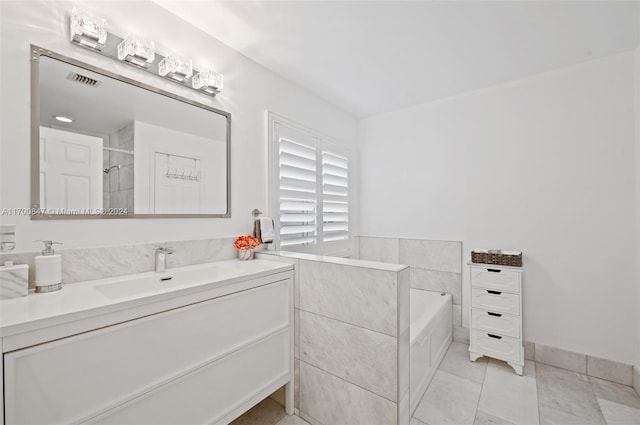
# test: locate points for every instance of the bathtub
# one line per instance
(431, 333)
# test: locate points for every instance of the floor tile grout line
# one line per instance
(593, 391)
(535, 379)
(484, 377)
(596, 397)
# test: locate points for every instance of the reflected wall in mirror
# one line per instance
(108, 146)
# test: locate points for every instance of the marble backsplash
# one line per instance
(434, 266)
(82, 264)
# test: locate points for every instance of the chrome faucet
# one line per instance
(161, 258)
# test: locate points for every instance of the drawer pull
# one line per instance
(494, 270)
(494, 292)
(494, 336)
(494, 314)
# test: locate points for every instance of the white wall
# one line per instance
(544, 165)
(249, 90)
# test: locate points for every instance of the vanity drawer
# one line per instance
(497, 346)
(495, 278)
(496, 323)
(495, 301)
(77, 377)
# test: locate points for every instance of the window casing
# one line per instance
(310, 190)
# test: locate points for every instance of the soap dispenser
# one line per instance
(48, 269)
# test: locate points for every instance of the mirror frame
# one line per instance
(36, 210)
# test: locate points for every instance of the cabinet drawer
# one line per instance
(198, 397)
(495, 278)
(76, 377)
(499, 347)
(496, 323)
(495, 301)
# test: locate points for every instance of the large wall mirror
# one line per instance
(105, 146)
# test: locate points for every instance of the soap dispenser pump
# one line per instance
(48, 269)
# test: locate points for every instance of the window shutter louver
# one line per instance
(297, 193)
(335, 197)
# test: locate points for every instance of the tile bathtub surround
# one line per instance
(386, 250)
(359, 296)
(432, 280)
(444, 256)
(82, 264)
(341, 402)
(360, 356)
(434, 265)
(350, 316)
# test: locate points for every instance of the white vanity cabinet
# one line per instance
(496, 314)
(203, 362)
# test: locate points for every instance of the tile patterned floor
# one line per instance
(488, 392)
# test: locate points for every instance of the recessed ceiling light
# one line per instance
(63, 119)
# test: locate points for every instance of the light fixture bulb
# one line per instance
(137, 51)
(176, 67)
(86, 30)
(63, 119)
(209, 82)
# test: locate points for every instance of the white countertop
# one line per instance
(82, 300)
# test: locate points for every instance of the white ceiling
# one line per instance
(371, 57)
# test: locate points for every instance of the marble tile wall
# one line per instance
(352, 367)
(81, 264)
(434, 266)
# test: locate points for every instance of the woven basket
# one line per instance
(503, 258)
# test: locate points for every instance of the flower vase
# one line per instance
(245, 254)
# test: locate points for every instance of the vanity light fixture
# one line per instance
(137, 51)
(209, 82)
(176, 67)
(63, 119)
(91, 32)
(88, 31)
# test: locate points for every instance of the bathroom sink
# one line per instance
(133, 285)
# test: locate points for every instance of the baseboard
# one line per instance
(636, 379)
(609, 370)
(585, 364)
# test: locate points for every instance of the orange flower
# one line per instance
(246, 242)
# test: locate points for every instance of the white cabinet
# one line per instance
(496, 314)
(206, 362)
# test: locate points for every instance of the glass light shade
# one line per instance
(88, 31)
(175, 67)
(137, 50)
(207, 81)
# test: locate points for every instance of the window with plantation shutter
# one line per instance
(335, 199)
(297, 193)
(309, 190)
